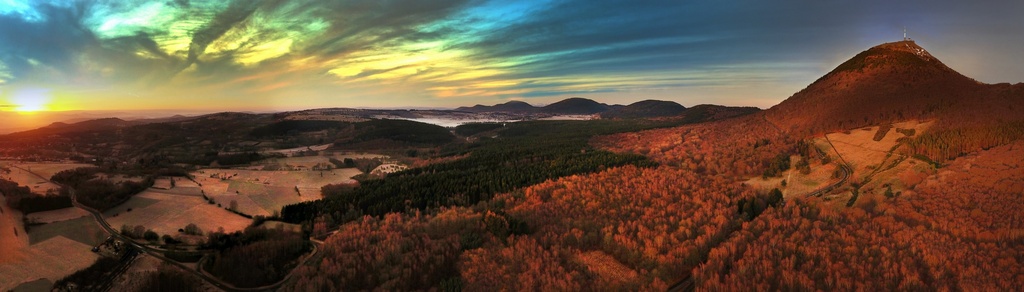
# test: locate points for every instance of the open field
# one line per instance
(12, 234)
(118, 178)
(860, 151)
(877, 165)
(56, 215)
(82, 229)
(293, 151)
(166, 212)
(265, 192)
(215, 179)
(797, 184)
(863, 153)
(243, 203)
(270, 224)
(162, 183)
(309, 162)
(180, 182)
(899, 175)
(47, 170)
(299, 163)
(52, 254)
(24, 176)
(388, 168)
(35, 175)
(33, 286)
(51, 259)
(177, 185)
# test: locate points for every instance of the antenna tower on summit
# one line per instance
(905, 38)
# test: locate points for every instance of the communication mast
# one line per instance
(905, 38)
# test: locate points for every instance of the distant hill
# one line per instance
(645, 109)
(710, 112)
(575, 106)
(511, 106)
(636, 110)
(893, 82)
(174, 118)
(287, 127)
(570, 106)
(79, 127)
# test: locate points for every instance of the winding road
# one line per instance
(844, 170)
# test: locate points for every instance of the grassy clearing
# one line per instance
(180, 182)
(26, 178)
(301, 179)
(37, 285)
(180, 191)
(860, 150)
(35, 175)
(273, 198)
(162, 183)
(83, 229)
(56, 215)
(293, 151)
(878, 165)
(171, 212)
(270, 224)
(118, 178)
(11, 243)
(245, 204)
(308, 162)
(259, 192)
(50, 259)
(47, 170)
(134, 203)
(899, 177)
(797, 184)
(869, 151)
(388, 168)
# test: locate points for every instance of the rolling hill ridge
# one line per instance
(646, 108)
(511, 106)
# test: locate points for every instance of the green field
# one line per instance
(133, 203)
(37, 285)
(84, 230)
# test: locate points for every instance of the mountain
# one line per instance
(645, 109)
(84, 126)
(710, 112)
(511, 106)
(575, 106)
(892, 82)
(174, 118)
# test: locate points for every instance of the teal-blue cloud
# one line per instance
(407, 53)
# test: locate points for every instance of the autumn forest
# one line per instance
(892, 172)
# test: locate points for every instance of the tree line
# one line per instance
(22, 198)
(525, 153)
(100, 194)
(267, 255)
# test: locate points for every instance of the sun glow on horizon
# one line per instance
(30, 100)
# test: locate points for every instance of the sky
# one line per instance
(252, 55)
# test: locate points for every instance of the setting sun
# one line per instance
(537, 145)
(30, 107)
(31, 100)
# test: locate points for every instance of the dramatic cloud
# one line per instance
(279, 54)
